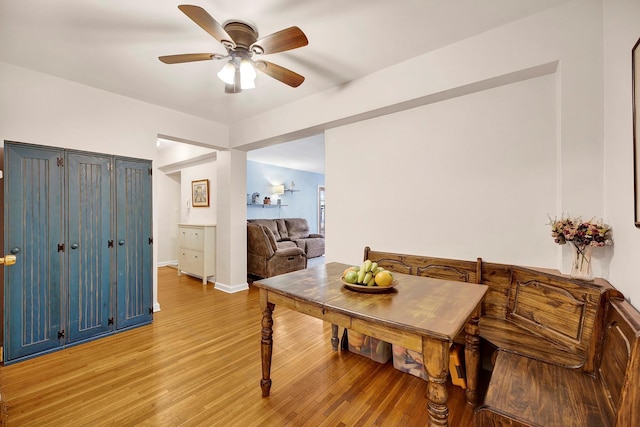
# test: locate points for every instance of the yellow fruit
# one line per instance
(367, 277)
(384, 278)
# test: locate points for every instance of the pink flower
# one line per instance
(580, 233)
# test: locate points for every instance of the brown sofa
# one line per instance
(278, 246)
(294, 231)
(266, 259)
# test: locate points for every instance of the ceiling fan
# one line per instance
(240, 39)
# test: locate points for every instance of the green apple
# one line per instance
(351, 277)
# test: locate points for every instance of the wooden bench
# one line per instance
(527, 392)
(567, 348)
(439, 268)
(536, 313)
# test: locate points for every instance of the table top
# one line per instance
(421, 305)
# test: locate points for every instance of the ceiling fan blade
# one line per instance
(287, 39)
(282, 74)
(188, 57)
(207, 23)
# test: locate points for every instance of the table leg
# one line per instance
(335, 341)
(472, 357)
(436, 360)
(266, 342)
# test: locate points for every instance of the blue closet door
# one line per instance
(88, 252)
(34, 229)
(133, 242)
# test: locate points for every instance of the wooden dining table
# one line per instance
(420, 313)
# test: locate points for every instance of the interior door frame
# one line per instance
(321, 209)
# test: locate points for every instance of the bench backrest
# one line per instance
(564, 313)
(439, 268)
(619, 369)
(556, 318)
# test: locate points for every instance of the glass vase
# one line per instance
(581, 265)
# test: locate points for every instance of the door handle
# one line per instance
(74, 246)
(121, 242)
(8, 260)
(15, 251)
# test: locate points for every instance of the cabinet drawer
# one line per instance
(191, 238)
(191, 261)
(182, 259)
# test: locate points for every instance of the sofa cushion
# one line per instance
(270, 236)
(271, 224)
(284, 244)
(282, 229)
(298, 228)
(314, 246)
(258, 241)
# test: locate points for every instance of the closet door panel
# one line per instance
(133, 242)
(89, 255)
(34, 229)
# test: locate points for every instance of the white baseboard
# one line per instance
(173, 264)
(231, 289)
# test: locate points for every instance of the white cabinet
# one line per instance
(197, 250)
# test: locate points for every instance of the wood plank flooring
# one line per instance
(198, 364)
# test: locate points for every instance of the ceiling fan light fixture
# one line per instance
(227, 73)
(241, 42)
(236, 87)
(232, 89)
(247, 75)
(246, 83)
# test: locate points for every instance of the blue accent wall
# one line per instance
(299, 204)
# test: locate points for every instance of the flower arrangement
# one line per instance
(583, 235)
(580, 233)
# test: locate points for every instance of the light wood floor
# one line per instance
(198, 364)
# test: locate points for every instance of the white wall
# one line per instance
(41, 109)
(621, 31)
(198, 215)
(467, 177)
(174, 202)
(168, 202)
(174, 155)
(179, 163)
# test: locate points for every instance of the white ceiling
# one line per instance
(305, 154)
(114, 45)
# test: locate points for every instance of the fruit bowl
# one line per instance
(369, 289)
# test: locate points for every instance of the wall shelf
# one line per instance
(262, 205)
(291, 191)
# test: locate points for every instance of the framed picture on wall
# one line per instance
(200, 193)
(635, 71)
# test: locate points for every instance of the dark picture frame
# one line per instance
(635, 72)
(200, 193)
